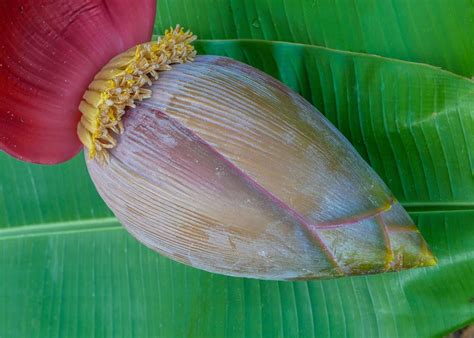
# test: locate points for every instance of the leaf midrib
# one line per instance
(55, 228)
(338, 51)
(112, 223)
(437, 207)
(333, 50)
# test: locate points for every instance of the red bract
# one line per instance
(49, 53)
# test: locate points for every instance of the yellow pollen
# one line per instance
(120, 83)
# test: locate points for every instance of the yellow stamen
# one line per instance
(121, 82)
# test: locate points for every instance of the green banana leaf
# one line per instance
(67, 268)
(436, 32)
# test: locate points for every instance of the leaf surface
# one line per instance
(85, 279)
(436, 32)
(80, 274)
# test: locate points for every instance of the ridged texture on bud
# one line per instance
(226, 169)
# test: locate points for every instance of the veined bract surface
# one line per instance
(226, 169)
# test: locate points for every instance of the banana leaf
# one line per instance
(436, 32)
(67, 268)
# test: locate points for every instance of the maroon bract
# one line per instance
(49, 53)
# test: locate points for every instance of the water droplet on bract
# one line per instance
(256, 23)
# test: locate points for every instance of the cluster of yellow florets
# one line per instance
(121, 82)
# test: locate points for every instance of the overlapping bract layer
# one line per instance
(49, 53)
